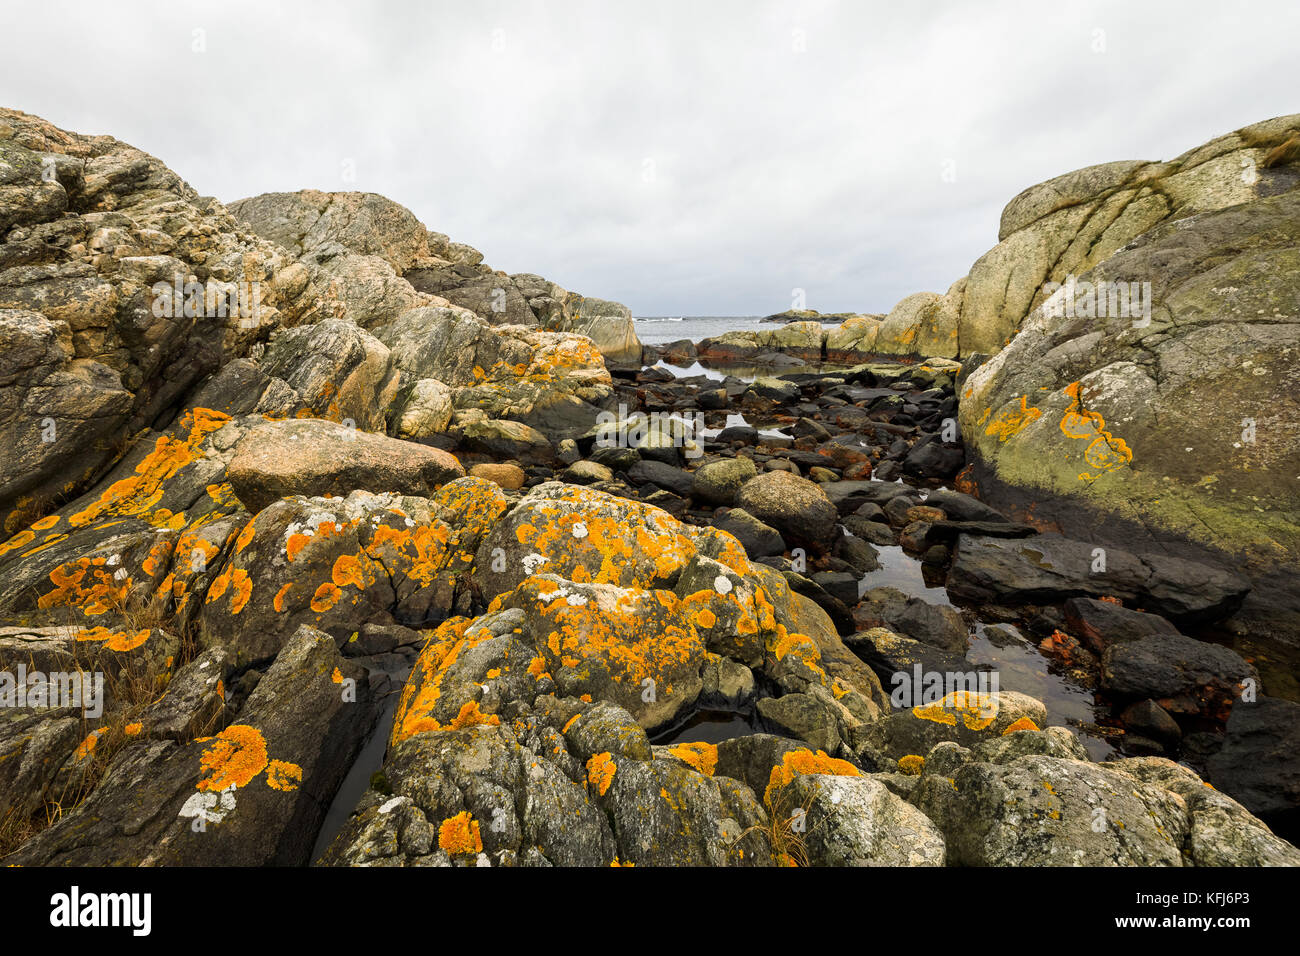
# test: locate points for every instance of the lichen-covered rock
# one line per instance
(337, 563)
(253, 794)
(120, 289)
(1164, 430)
(965, 717)
(1046, 811)
(857, 821)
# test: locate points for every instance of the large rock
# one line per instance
(1258, 762)
(795, 506)
(340, 372)
(315, 458)
(384, 262)
(1049, 568)
(252, 795)
(1165, 430)
(1049, 811)
(96, 344)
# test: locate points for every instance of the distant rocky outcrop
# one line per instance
(370, 243)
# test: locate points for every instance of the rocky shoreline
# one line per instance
(583, 603)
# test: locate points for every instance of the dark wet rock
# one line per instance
(1049, 568)
(661, 475)
(857, 553)
(759, 540)
(1102, 623)
(889, 654)
(1148, 718)
(932, 458)
(1259, 762)
(1168, 666)
(932, 624)
(962, 507)
(839, 585)
(875, 532)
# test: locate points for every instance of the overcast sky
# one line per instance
(697, 157)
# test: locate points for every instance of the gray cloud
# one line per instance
(682, 157)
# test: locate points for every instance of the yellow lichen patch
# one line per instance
(120, 641)
(245, 537)
(326, 596)
(1105, 452)
(241, 589)
(460, 834)
(537, 667)
(87, 745)
(1024, 723)
(283, 775)
(600, 771)
(20, 540)
(705, 618)
(49, 521)
(278, 601)
(569, 723)
(1011, 421)
(702, 756)
(139, 494)
(133, 729)
(494, 673)
(912, 764)
(87, 584)
(233, 758)
(636, 636)
(976, 711)
(805, 762)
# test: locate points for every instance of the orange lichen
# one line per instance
(88, 744)
(460, 834)
(235, 756)
(1105, 452)
(278, 601)
(133, 729)
(337, 676)
(88, 584)
(911, 764)
(138, 494)
(120, 641)
(600, 771)
(241, 589)
(1024, 723)
(702, 756)
(976, 711)
(805, 762)
(1011, 421)
(326, 597)
(283, 775)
